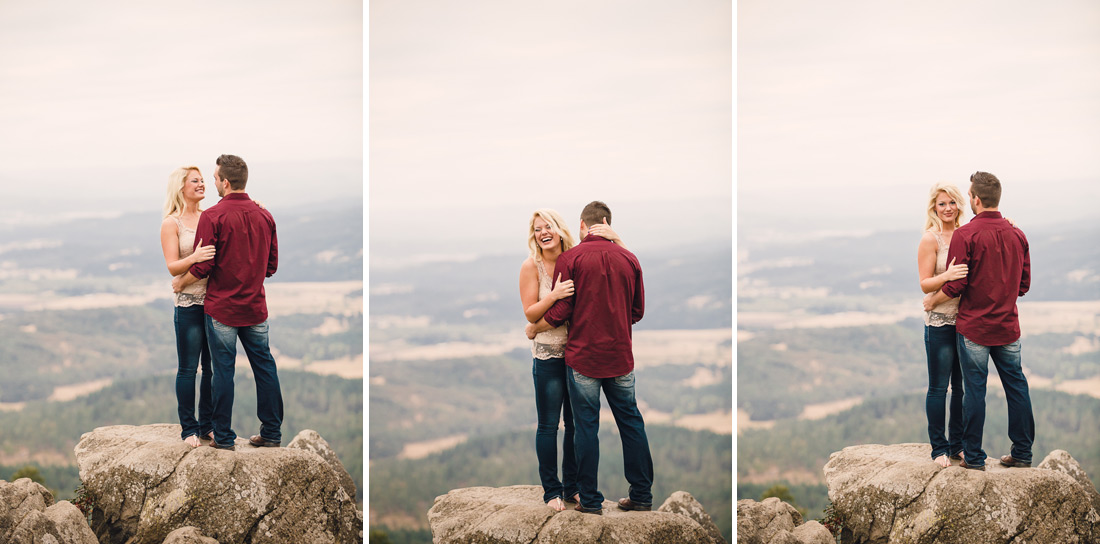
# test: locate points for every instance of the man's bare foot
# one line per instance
(192, 441)
(943, 461)
(556, 504)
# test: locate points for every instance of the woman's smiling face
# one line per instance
(545, 235)
(946, 208)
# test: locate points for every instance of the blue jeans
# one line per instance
(269, 397)
(551, 397)
(584, 395)
(943, 369)
(192, 351)
(1021, 423)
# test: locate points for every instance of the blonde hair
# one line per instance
(555, 221)
(174, 203)
(933, 219)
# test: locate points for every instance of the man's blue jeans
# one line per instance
(269, 397)
(584, 395)
(192, 351)
(943, 370)
(974, 359)
(551, 398)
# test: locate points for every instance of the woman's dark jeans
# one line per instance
(943, 370)
(551, 398)
(192, 350)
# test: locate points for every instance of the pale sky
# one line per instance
(481, 112)
(849, 111)
(100, 101)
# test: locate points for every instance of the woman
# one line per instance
(944, 214)
(547, 238)
(177, 240)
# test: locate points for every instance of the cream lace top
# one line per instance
(196, 292)
(944, 313)
(549, 344)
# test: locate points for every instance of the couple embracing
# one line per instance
(219, 259)
(581, 301)
(972, 275)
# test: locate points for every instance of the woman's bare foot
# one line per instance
(943, 461)
(192, 441)
(556, 504)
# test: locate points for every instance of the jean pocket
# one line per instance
(220, 327)
(581, 379)
(626, 380)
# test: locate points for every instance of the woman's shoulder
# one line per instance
(171, 221)
(529, 265)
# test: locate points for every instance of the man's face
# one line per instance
(218, 181)
(584, 230)
(973, 200)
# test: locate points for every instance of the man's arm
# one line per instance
(206, 233)
(273, 255)
(931, 300)
(959, 254)
(534, 328)
(562, 310)
(637, 310)
(179, 283)
(1025, 277)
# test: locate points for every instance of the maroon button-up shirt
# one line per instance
(246, 252)
(608, 298)
(1000, 271)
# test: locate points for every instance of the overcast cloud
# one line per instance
(99, 101)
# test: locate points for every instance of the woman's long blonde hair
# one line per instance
(555, 221)
(174, 204)
(933, 220)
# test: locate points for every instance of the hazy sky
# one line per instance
(99, 101)
(849, 111)
(481, 112)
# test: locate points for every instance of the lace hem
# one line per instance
(547, 351)
(938, 319)
(185, 300)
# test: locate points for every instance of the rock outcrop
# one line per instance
(146, 483)
(28, 515)
(776, 522)
(895, 493)
(490, 515)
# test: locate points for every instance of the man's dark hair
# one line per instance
(234, 169)
(595, 212)
(987, 187)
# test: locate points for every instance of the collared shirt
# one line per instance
(999, 272)
(608, 298)
(246, 251)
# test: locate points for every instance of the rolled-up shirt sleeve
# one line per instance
(960, 254)
(562, 310)
(204, 233)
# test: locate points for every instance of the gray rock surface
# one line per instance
(188, 535)
(895, 493)
(682, 503)
(773, 521)
(310, 441)
(145, 483)
(489, 515)
(28, 515)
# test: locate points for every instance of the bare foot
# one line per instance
(556, 504)
(192, 441)
(943, 461)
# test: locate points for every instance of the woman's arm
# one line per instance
(926, 266)
(533, 308)
(170, 245)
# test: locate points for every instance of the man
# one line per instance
(608, 299)
(988, 323)
(243, 235)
